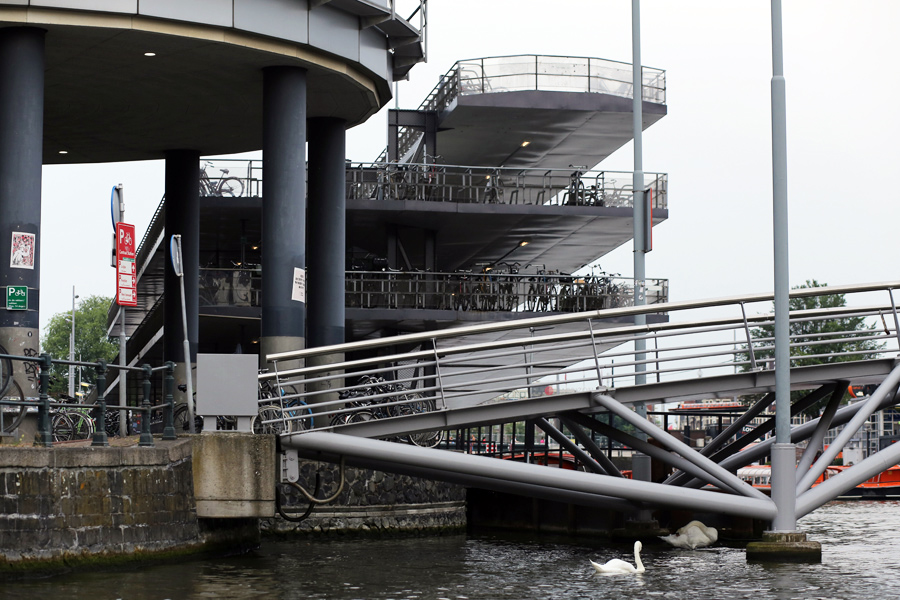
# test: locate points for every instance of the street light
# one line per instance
(72, 349)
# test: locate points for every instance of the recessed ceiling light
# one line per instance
(149, 53)
(63, 151)
(525, 143)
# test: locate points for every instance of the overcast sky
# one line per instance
(715, 144)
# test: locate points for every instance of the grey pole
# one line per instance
(284, 211)
(640, 462)
(783, 454)
(72, 348)
(21, 150)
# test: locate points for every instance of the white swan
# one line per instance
(620, 566)
(692, 536)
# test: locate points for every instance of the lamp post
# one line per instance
(72, 349)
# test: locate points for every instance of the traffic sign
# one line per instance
(16, 297)
(126, 274)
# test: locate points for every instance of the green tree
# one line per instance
(812, 339)
(91, 341)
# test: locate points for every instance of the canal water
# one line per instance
(860, 542)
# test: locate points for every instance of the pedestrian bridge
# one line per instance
(571, 374)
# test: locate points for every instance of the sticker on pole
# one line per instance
(126, 273)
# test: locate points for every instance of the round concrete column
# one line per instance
(182, 217)
(21, 149)
(284, 211)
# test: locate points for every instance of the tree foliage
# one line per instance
(816, 342)
(91, 341)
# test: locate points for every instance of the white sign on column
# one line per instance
(298, 291)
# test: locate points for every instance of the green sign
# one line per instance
(16, 297)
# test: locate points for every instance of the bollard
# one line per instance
(169, 431)
(44, 435)
(146, 437)
(100, 437)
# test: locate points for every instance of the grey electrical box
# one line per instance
(227, 385)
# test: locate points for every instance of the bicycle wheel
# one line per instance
(269, 420)
(6, 370)
(181, 420)
(13, 415)
(230, 186)
(61, 427)
(82, 424)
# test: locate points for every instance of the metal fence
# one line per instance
(488, 185)
(508, 292)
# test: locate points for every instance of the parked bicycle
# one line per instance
(220, 186)
(10, 390)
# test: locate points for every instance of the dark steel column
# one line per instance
(327, 244)
(21, 149)
(327, 231)
(182, 217)
(284, 209)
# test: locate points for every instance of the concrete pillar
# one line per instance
(21, 157)
(327, 232)
(284, 211)
(182, 217)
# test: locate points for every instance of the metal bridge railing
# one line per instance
(451, 368)
(497, 185)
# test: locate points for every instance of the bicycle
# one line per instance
(223, 186)
(10, 390)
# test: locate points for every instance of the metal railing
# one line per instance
(466, 291)
(529, 72)
(487, 185)
(543, 73)
(99, 412)
(507, 292)
(447, 368)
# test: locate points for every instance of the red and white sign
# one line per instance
(126, 274)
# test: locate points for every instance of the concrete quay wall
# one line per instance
(370, 503)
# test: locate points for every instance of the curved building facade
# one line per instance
(117, 80)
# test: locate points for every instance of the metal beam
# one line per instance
(818, 436)
(596, 451)
(887, 388)
(390, 456)
(566, 443)
(663, 437)
(650, 450)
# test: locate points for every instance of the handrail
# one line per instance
(523, 358)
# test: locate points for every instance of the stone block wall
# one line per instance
(63, 505)
(371, 502)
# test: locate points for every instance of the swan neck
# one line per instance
(637, 561)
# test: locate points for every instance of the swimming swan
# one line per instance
(620, 566)
(693, 535)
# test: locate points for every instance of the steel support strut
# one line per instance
(681, 448)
